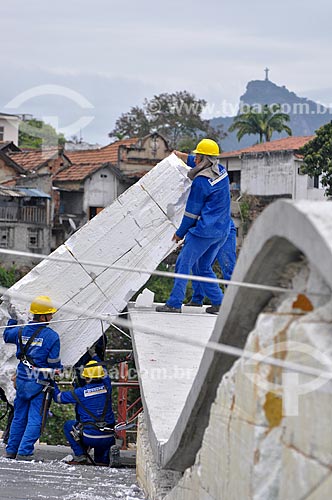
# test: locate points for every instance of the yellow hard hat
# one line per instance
(42, 305)
(92, 370)
(207, 147)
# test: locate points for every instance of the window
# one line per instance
(315, 182)
(6, 237)
(93, 211)
(2, 133)
(35, 238)
(234, 179)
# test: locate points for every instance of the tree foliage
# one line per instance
(176, 116)
(37, 134)
(8, 277)
(262, 122)
(317, 159)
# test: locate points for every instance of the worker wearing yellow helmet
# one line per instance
(94, 427)
(205, 224)
(38, 348)
(226, 255)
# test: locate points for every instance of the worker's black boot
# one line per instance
(213, 309)
(167, 309)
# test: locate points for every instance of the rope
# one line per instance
(164, 274)
(220, 347)
(223, 348)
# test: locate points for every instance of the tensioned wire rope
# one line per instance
(164, 274)
(215, 346)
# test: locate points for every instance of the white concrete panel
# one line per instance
(119, 286)
(60, 280)
(78, 333)
(166, 187)
(135, 231)
(167, 368)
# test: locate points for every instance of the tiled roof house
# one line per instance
(272, 169)
(97, 177)
(81, 183)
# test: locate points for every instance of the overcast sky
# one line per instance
(106, 56)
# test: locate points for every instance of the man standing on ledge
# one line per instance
(205, 225)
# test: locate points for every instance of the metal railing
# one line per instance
(35, 215)
(9, 213)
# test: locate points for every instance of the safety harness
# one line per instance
(23, 355)
(97, 422)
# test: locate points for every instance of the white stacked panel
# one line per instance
(135, 231)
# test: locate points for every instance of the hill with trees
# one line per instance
(306, 116)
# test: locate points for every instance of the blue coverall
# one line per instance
(206, 225)
(45, 353)
(226, 258)
(92, 396)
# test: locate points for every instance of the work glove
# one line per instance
(130, 357)
(12, 311)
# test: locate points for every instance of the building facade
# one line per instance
(9, 128)
(25, 224)
(272, 168)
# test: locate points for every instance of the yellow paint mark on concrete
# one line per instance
(273, 409)
(302, 302)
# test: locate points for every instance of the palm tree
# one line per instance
(263, 123)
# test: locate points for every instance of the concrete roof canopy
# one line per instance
(22, 192)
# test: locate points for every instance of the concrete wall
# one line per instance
(42, 182)
(250, 430)
(232, 164)
(144, 155)
(266, 440)
(275, 173)
(264, 174)
(155, 481)
(6, 172)
(19, 236)
(10, 124)
(316, 194)
(100, 189)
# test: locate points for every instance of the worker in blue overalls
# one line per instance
(226, 258)
(38, 348)
(205, 226)
(94, 427)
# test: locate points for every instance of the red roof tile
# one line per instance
(77, 172)
(286, 144)
(103, 155)
(9, 182)
(32, 159)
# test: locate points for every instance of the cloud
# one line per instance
(115, 54)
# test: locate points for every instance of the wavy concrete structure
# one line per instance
(282, 234)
